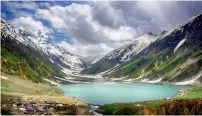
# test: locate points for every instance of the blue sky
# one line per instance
(88, 28)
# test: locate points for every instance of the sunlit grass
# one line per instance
(192, 93)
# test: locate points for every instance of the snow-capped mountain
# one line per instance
(178, 36)
(175, 57)
(125, 53)
(42, 43)
(122, 54)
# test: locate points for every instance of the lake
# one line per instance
(103, 93)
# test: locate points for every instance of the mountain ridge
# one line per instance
(42, 43)
(34, 56)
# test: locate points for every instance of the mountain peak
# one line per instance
(194, 18)
(195, 21)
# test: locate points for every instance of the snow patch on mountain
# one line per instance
(128, 51)
(179, 44)
(155, 81)
(142, 42)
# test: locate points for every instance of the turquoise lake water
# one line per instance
(103, 93)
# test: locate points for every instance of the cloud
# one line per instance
(107, 15)
(87, 50)
(45, 4)
(55, 20)
(99, 27)
(77, 22)
(112, 24)
(21, 13)
(157, 16)
(27, 23)
(15, 6)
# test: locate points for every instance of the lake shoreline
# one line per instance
(190, 95)
(118, 91)
(87, 80)
(96, 111)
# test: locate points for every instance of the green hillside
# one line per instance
(163, 64)
(20, 60)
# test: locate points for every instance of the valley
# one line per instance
(76, 99)
(153, 74)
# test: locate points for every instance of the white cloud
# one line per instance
(103, 26)
(13, 6)
(88, 34)
(23, 14)
(86, 50)
(157, 16)
(28, 23)
(45, 4)
(107, 15)
(77, 22)
(56, 21)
